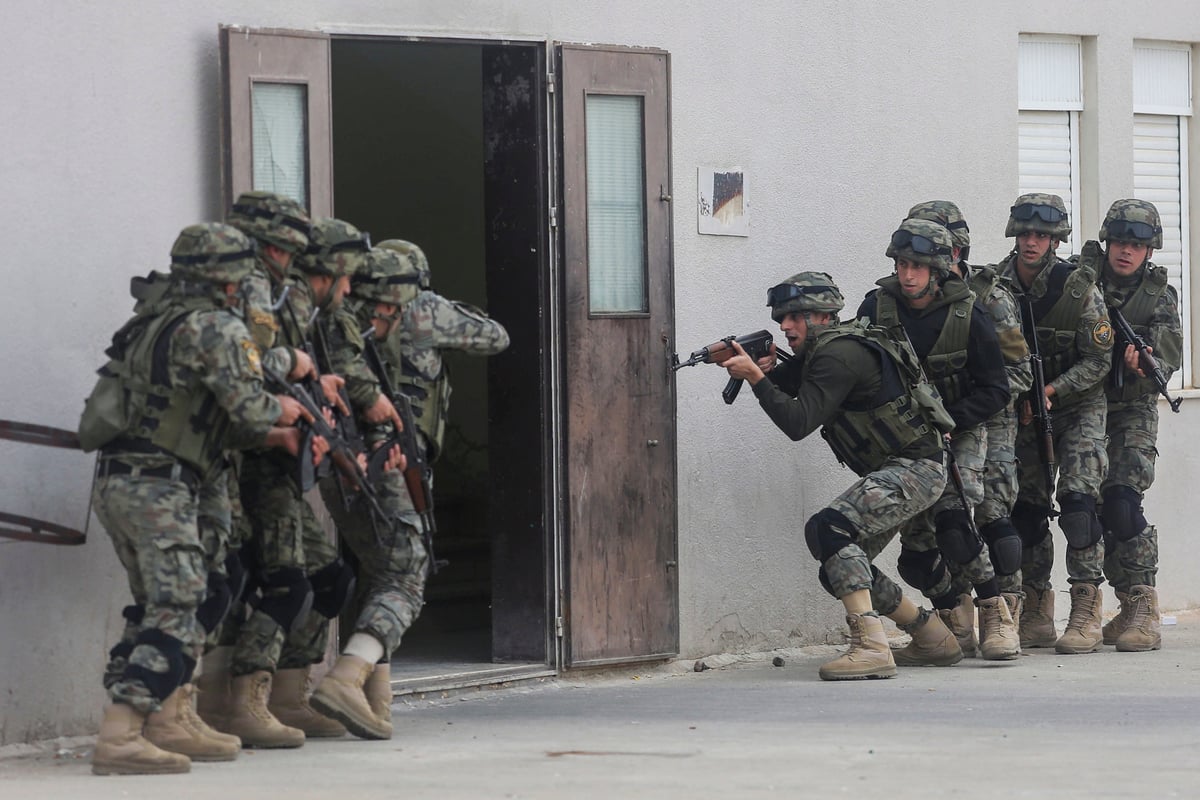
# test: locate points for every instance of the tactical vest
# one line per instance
(904, 410)
(133, 407)
(982, 281)
(430, 398)
(946, 362)
(1057, 315)
(1138, 310)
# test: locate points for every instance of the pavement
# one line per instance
(1105, 725)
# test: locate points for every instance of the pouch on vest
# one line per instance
(106, 413)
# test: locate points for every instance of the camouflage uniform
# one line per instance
(147, 493)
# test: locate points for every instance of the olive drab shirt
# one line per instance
(995, 296)
(1086, 348)
(1151, 307)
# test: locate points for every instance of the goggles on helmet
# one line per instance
(212, 259)
(1131, 229)
(1027, 211)
(918, 244)
(360, 245)
(778, 295)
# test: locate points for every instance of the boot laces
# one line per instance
(1082, 607)
(1139, 610)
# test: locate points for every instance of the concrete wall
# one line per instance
(842, 113)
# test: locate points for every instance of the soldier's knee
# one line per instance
(1122, 513)
(332, 586)
(287, 597)
(827, 532)
(920, 569)
(1079, 522)
(1032, 523)
(952, 528)
(1004, 545)
(170, 649)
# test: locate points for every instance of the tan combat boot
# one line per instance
(1144, 631)
(1016, 604)
(998, 640)
(1083, 627)
(122, 750)
(214, 693)
(340, 695)
(961, 620)
(177, 728)
(869, 655)
(289, 704)
(932, 645)
(1113, 629)
(252, 721)
(1036, 627)
(379, 692)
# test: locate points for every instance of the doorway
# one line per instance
(442, 143)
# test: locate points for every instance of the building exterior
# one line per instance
(555, 160)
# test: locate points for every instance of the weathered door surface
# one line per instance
(621, 586)
(276, 121)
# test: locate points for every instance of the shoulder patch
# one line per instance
(252, 356)
(1102, 333)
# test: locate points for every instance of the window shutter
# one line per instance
(1048, 160)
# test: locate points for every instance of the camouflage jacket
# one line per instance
(1151, 307)
(995, 296)
(432, 323)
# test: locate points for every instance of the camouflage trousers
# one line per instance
(153, 527)
(875, 507)
(1082, 462)
(1132, 436)
(1000, 481)
(285, 534)
(920, 534)
(392, 562)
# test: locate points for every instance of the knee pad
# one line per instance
(159, 684)
(287, 597)
(1122, 513)
(952, 529)
(216, 602)
(1004, 545)
(134, 613)
(1032, 523)
(1079, 522)
(823, 577)
(920, 569)
(827, 532)
(333, 586)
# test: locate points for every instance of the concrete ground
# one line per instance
(1098, 726)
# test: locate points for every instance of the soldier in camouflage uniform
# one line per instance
(1137, 289)
(391, 555)
(960, 354)
(1000, 466)
(863, 385)
(1062, 307)
(433, 324)
(184, 384)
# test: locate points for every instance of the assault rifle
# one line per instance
(756, 345)
(417, 473)
(1146, 359)
(1037, 395)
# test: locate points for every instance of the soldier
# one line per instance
(960, 353)
(1064, 311)
(1000, 466)
(1137, 289)
(303, 582)
(390, 552)
(184, 383)
(882, 421)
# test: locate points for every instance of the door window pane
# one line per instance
(280, 149)
(616, 205)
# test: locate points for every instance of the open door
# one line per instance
(621, 584)
(276, 123)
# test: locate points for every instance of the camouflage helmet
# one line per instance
(805, 291)
(1132, 221)
(212, 252)
(273, 219)
(335, 248)
(1041, 213)
(413, 254)
(385, 277)
(946, 214)
(922, 242)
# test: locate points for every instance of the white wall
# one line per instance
(842, 113)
